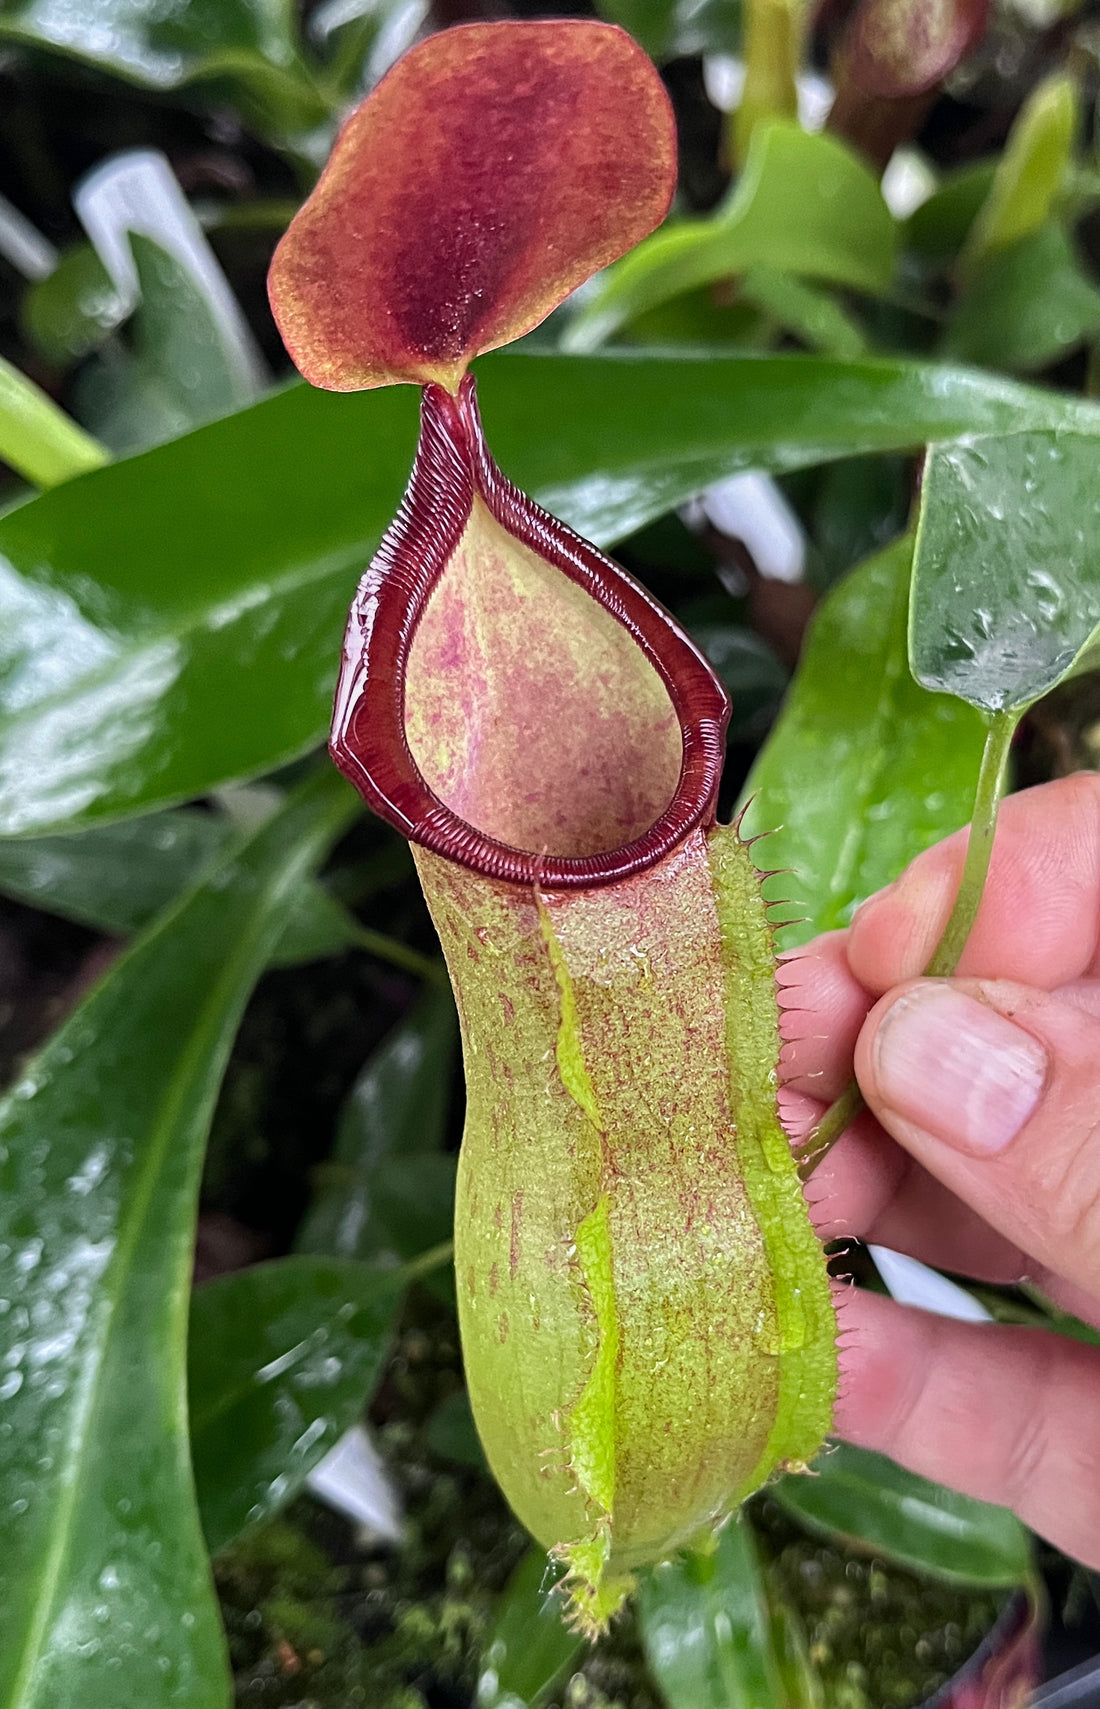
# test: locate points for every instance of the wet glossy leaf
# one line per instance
(178, 372)
(803, 204)
(707, 1629)
(864, 769)
(528, 1647)
(1028, 305)
(116, 878)
(247, 45)
(867, 1499)
(387, 1192)
(668, 28)
(104, 1579)
(282, 1358)
(139, 603)
(1006, 574)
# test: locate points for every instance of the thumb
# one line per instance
(995, 1089)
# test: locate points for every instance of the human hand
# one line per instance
(979, 1153)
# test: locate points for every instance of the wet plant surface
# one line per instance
(833, 374)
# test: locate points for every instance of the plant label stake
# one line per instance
(645, 1312)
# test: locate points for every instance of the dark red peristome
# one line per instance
(453, 466)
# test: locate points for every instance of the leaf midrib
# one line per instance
(219, 1000)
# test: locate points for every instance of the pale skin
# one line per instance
(979, 1153)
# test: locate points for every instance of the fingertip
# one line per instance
(821, 1009)
(893, 935)
(1004, 1414)
(851, 1187)
(990, 1086)
(940, 1056)
(880, 1348)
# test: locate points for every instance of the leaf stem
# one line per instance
(945, 957)
(840, 1115)
(425, 1262)
(39, 440)
(401, 955)
(979, 847)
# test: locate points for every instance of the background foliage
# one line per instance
(221, 1009)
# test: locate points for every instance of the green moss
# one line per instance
(879, 1637)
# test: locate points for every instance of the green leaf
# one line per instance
(320, 926)
(864, 769)
(1027, 305)
(104, 1580)
(114, 878)
(387, 1192)
(528, 1648)
(696, 321)
(282, 1358)
(1028, 174)
(173, 621)
(866, 1499)
(1006, 572)
(670, 28)
(804, 204)
(937, 230)
(707, 1629)
(36, 438)
(117, 878)
(451, 1432)
(247, 48)
(73, 310)
(180, 373)
(811, 314)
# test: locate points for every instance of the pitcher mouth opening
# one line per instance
(603, 796)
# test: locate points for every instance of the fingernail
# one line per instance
(957, 1069)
